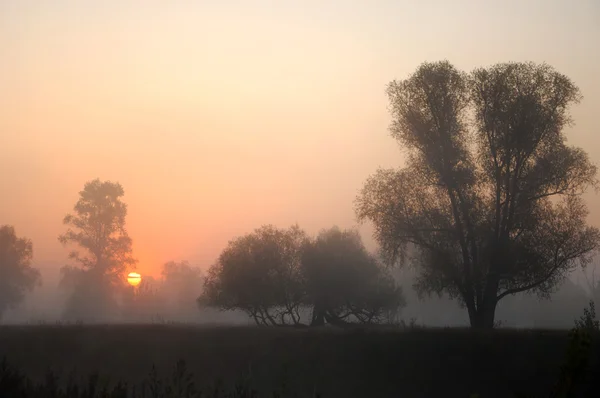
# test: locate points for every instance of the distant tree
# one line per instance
(182, 284)
(490, 194)
(344, 282)
(145, 302)
(592, 281)
(98, 227)
(17, 276)
(259, 274)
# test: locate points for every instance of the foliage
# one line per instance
(274, 274)
(98, 227)
(260, 274)
(345, 282)
(489, 198)
(588, 321)
(17, 276)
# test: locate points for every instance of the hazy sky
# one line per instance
(220, 116)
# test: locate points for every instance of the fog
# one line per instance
(46, 306)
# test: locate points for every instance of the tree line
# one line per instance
(278, 276)
(488, 204)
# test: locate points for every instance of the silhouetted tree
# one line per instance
(98, 227)
(259, 274)
(344, 282)
(276, 275)
(17, 276)
(490, 194)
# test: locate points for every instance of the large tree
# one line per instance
(97, 226)
(489, 197)
(17, 276)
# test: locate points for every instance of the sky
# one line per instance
(220, 116)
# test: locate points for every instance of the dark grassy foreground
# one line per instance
(332, 363)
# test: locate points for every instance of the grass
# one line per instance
(383, 362)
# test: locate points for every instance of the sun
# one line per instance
(134, 279)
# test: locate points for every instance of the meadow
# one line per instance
(326, 362)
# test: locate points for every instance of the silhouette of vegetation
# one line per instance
(180, 384)
(98, 227)
(17, 276)
(276, 275)
(490, 194)
(260, 274)
(343, 281)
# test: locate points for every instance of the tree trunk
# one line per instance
(318, 316)
(332, 319)
(482, 310)
(483, 317)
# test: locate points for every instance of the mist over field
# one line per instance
(45, 305)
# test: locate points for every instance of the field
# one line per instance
(334, 363)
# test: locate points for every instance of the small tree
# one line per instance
(98, 227)
(17, 276)
(490, 194)
(344, 282)
(259, 274)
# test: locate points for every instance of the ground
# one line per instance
(335, 363)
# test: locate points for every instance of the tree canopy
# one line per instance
(98, 227)
(489, 199)
(344, 282)
(259, 273)
(17, 276)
